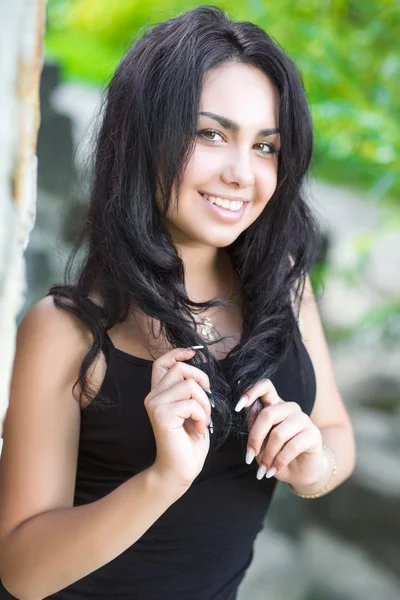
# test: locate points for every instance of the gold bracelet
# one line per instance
(326, 487)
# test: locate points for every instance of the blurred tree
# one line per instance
(347, 51)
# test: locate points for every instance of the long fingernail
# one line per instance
(249, 456)
(210, 397)
(271, 472)
(261, 472)
(242, 402)
(195, 347)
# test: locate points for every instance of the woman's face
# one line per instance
(235, 158)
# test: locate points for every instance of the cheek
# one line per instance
(268, 178)
(266, 182)
(201, 166)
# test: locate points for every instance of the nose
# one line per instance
(238, 170)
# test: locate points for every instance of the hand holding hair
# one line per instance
(284, 440)
(179, 411)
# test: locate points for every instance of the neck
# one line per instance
(208, 272)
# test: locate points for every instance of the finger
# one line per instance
(177, 413)
(279, 436)
(165, 362)
(266, 419)
(183, 390)
(181, 371)
(265, 390)
(297, 445)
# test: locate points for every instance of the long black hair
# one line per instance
(147, 135)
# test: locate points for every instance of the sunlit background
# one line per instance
(344, 546)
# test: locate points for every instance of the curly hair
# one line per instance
(152, 102)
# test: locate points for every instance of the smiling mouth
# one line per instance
(231, 205)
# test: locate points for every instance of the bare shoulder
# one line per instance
(59, 340)
(45, 326)
(41, 428)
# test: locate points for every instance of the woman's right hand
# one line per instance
(179, 411)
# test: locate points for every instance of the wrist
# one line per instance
(324, 479)
(163, 484)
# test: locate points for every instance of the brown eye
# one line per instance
(208, 132)
(270, 148)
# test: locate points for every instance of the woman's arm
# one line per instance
(45, 543)
(329, 413)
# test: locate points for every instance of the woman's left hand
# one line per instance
(282, 437)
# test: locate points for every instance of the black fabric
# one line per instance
(201, 547)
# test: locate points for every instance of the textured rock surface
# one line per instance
(21, 43)
(342, 571)
(275, 557)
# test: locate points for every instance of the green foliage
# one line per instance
(347, 52)
(89, 37)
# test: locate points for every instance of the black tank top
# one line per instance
(200, 548)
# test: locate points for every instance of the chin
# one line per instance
(211, 236)
(218, 241)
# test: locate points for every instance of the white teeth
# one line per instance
(229, 204)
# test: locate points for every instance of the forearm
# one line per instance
(50, 551)
(340, 440)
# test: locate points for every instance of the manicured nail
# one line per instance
(210, 397)
(249, 456)
(271, 472)
(261, 472)
(242, 402)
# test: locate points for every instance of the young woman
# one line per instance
(126, 470)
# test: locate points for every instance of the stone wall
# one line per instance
(22, 29)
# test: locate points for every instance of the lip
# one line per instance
(229, 216)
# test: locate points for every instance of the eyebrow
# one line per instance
(232, 126)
